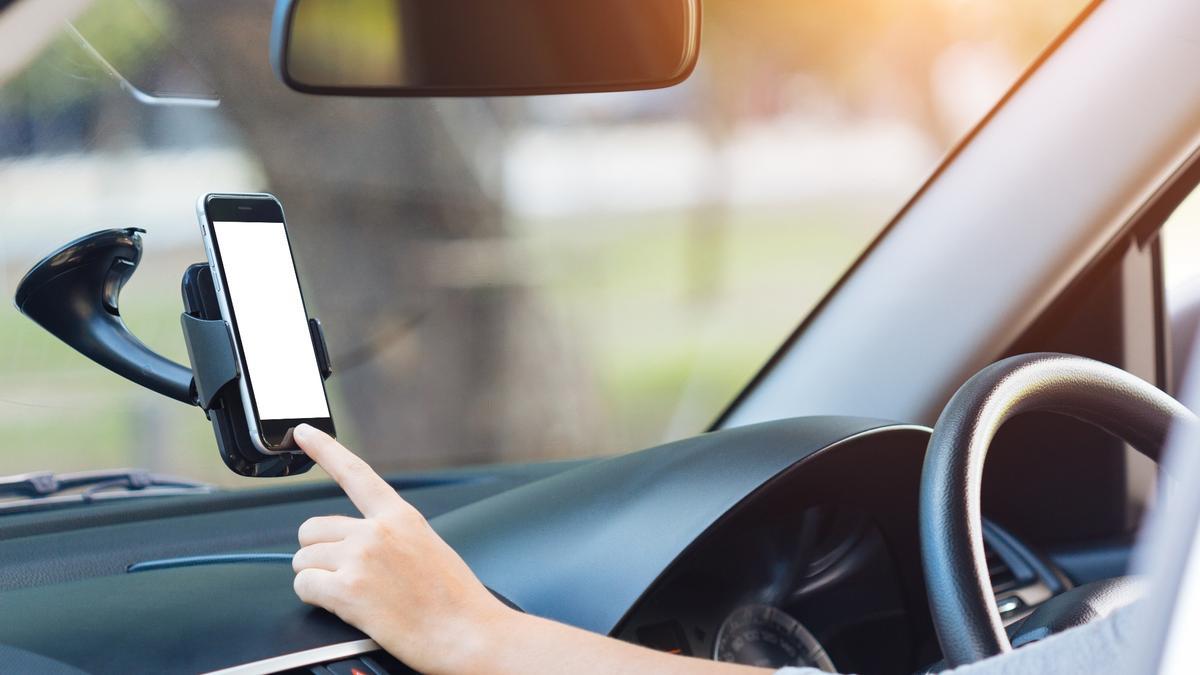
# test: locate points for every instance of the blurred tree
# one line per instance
(438, 366)
(869, 55)
(376, 191)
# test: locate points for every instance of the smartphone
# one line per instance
(258, 291)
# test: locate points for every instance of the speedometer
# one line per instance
(761, 635)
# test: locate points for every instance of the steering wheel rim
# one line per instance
(961, 601)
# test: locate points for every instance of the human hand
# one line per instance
(389, 574)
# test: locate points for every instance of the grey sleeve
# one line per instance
(1097, 648)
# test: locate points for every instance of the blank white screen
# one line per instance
(268, 309)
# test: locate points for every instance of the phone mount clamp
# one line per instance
(74, 293)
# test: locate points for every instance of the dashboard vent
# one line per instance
(1000, 573)
(1019, 580)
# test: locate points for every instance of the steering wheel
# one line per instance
(961, 600)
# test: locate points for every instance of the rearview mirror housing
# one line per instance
(483, 47)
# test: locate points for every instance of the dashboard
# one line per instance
(814, 569)
(811, 595)
(791, 542)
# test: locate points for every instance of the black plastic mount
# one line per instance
(74, 293)
(215, 374)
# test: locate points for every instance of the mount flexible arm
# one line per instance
(74, 294)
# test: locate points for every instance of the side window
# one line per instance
(1181, 279)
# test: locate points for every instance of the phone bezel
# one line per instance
(271, 436)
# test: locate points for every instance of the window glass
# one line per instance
(500, 280)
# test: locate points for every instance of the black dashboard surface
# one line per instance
(67, 594)
(830, 544)
(37, 549)
(583, 546)
(581, 542)
(207, 617)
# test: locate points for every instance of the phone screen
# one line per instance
(270, 322)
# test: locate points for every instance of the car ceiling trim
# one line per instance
(308, 657)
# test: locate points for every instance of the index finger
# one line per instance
(370, 493)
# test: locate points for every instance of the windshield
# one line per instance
(500, 280)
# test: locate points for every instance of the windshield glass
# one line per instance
(509, 279)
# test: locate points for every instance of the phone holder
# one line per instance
(74, 293)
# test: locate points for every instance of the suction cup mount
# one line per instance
(74, 293)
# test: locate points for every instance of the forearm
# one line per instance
(521, 644)
(434, 614)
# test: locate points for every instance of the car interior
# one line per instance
(939, 446)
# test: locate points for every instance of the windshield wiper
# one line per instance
(42, 489)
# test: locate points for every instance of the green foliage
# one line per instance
(869, 54)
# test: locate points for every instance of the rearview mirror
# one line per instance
(483, 47)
